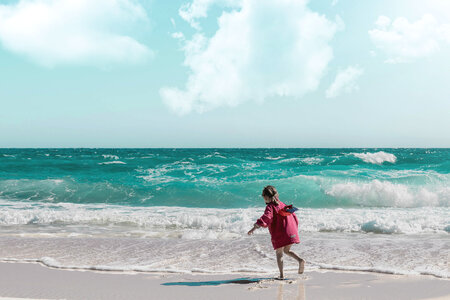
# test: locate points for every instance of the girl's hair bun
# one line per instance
(271, 192)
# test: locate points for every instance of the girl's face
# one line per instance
(266, 199)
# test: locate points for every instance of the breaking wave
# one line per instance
(377, 193)
(193, 223)
(377, 157)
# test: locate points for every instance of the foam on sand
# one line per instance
(410, 255)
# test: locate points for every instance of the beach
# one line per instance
(200, 149)
(34, 281)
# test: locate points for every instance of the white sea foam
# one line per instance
(209, 223)
(157, 176)
(386, 193)
(377, 157)
(274, 158)
(312, 160)
(429, 175)
(110, 156)
(358, 252)
(193, 172)
(303, 160)
(118, 162)
(215, 154)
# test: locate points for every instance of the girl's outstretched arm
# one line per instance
(265, 220)
(250, 232)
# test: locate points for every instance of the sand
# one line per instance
(34, 281)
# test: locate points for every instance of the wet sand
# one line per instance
(34, 281)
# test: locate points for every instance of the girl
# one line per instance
(283, 228)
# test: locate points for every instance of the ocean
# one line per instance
(188, 210)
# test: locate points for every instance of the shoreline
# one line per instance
(318, 268)
(33, 280)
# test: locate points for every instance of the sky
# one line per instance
(224, 73)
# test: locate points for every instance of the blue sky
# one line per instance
(225, 73)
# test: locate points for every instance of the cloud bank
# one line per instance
(53, 32)
(263, 49)
(403, 41)
(345, 82)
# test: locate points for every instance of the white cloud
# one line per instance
(266, 49)
(190, 12)
(345, 81)
(383, 22)
(403, 41)
(178, 35)
(53, 32)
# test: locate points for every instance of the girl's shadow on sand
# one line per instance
(245, 280)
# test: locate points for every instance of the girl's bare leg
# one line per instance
(279, 253)
(301, 262)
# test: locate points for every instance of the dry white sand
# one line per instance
(34, 281)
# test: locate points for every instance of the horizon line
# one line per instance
(3, 148)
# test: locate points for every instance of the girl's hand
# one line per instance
(253, 229)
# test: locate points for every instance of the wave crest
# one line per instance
(384, 193)
(113, 162)
(377, 158)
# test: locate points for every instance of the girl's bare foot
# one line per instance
(301, 266)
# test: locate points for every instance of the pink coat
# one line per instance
(283, 230)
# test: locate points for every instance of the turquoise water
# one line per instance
(188, 210)
(227, 178)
